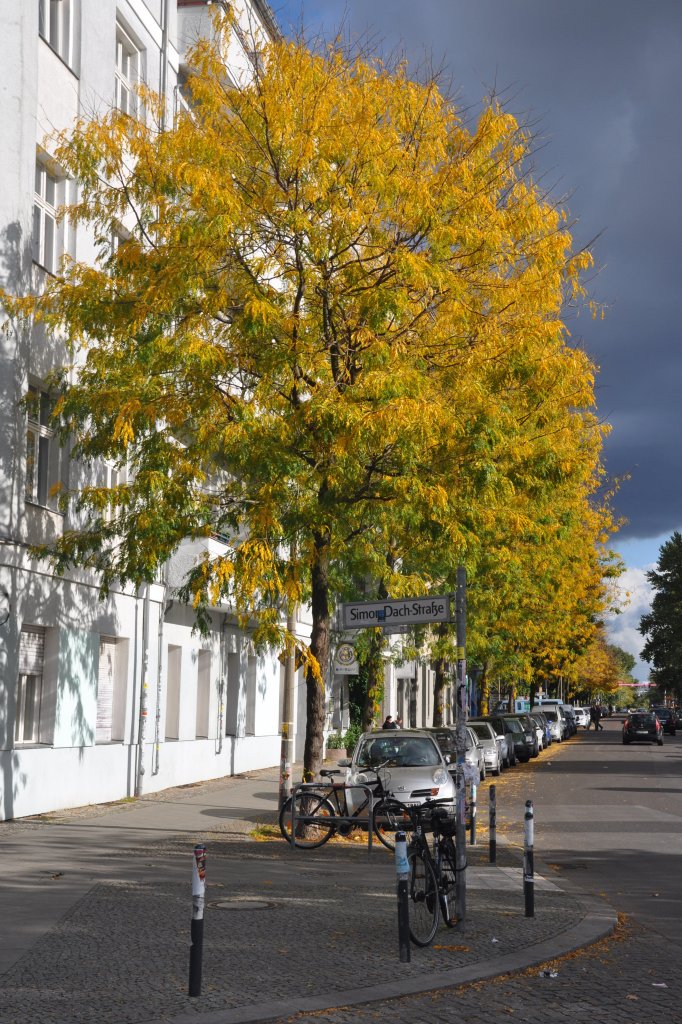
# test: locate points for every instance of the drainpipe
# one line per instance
(163, 609)
(142, 725)
(163, 78)
(221, 685)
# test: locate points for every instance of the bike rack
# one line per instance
(353, 820)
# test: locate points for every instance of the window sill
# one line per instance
(44, 508)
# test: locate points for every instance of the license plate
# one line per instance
(642, 732)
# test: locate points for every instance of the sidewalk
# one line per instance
(96, 910)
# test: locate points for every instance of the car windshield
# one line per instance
(398, 751)
(515, 725)
(482, 730)
(551, 713)
(663, 712)
(639, 720)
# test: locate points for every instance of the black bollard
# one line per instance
(196, 951)
(528, 872)
(472, 829)
(402, 874)
(492, 825)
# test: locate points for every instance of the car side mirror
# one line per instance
(448, 758)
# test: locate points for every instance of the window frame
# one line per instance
(55, 27)
(47, 212)
(124, 83)
(40, 439)
(20, 718)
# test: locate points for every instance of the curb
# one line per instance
(592, 928)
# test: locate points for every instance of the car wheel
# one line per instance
(625, 742)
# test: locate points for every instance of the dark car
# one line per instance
(644, 726)
(542, 720)
(530, 730)
(524, 737)
(668, 719)
(504, 729)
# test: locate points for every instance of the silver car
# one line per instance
(491, 748)
(474, 754)
(411, 765)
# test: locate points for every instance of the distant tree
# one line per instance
(662, 626)
(625, 661)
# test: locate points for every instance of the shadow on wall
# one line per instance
(69, 612)
(15, 277)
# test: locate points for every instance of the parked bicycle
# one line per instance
(322, 812)
(433, 871)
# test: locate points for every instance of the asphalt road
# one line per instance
(609, 818)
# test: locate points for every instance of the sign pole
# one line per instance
(460, 744)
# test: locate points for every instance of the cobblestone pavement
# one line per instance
(121, 953)
(629, 978)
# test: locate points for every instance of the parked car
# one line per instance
(524, 737)
(491, 748)
(668, 719)
(571, 721)
(644, 726)
(532, 732)
(416, 769)
(474, 753)
(541, 719)
(582, 717)
(555, 717)
(505, 731)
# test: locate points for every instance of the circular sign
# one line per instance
(345, 654)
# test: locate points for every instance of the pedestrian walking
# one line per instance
(597, 719)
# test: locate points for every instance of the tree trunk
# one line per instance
(319, 646)
(439, 689)
(440, 680)
(484, 691)
(375, 680)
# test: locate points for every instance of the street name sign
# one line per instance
(408, 612)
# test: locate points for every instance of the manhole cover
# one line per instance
(242, 905)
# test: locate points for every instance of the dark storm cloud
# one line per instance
(601, 81)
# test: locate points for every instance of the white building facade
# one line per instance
(91, 690)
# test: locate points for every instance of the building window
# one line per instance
(203, 694)
(127, 72)
(45, 230)
(55, 27)
(30, 686)
(111, 690)
(40, 447)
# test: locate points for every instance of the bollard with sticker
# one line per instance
(402, 874)
(196, 950)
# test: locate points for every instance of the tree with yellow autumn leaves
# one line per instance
(332, 321)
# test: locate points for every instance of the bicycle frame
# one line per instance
(351, 819)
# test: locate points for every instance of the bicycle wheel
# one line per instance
(309, 834)
(447, 864)
(390, 816)
(422, 899)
